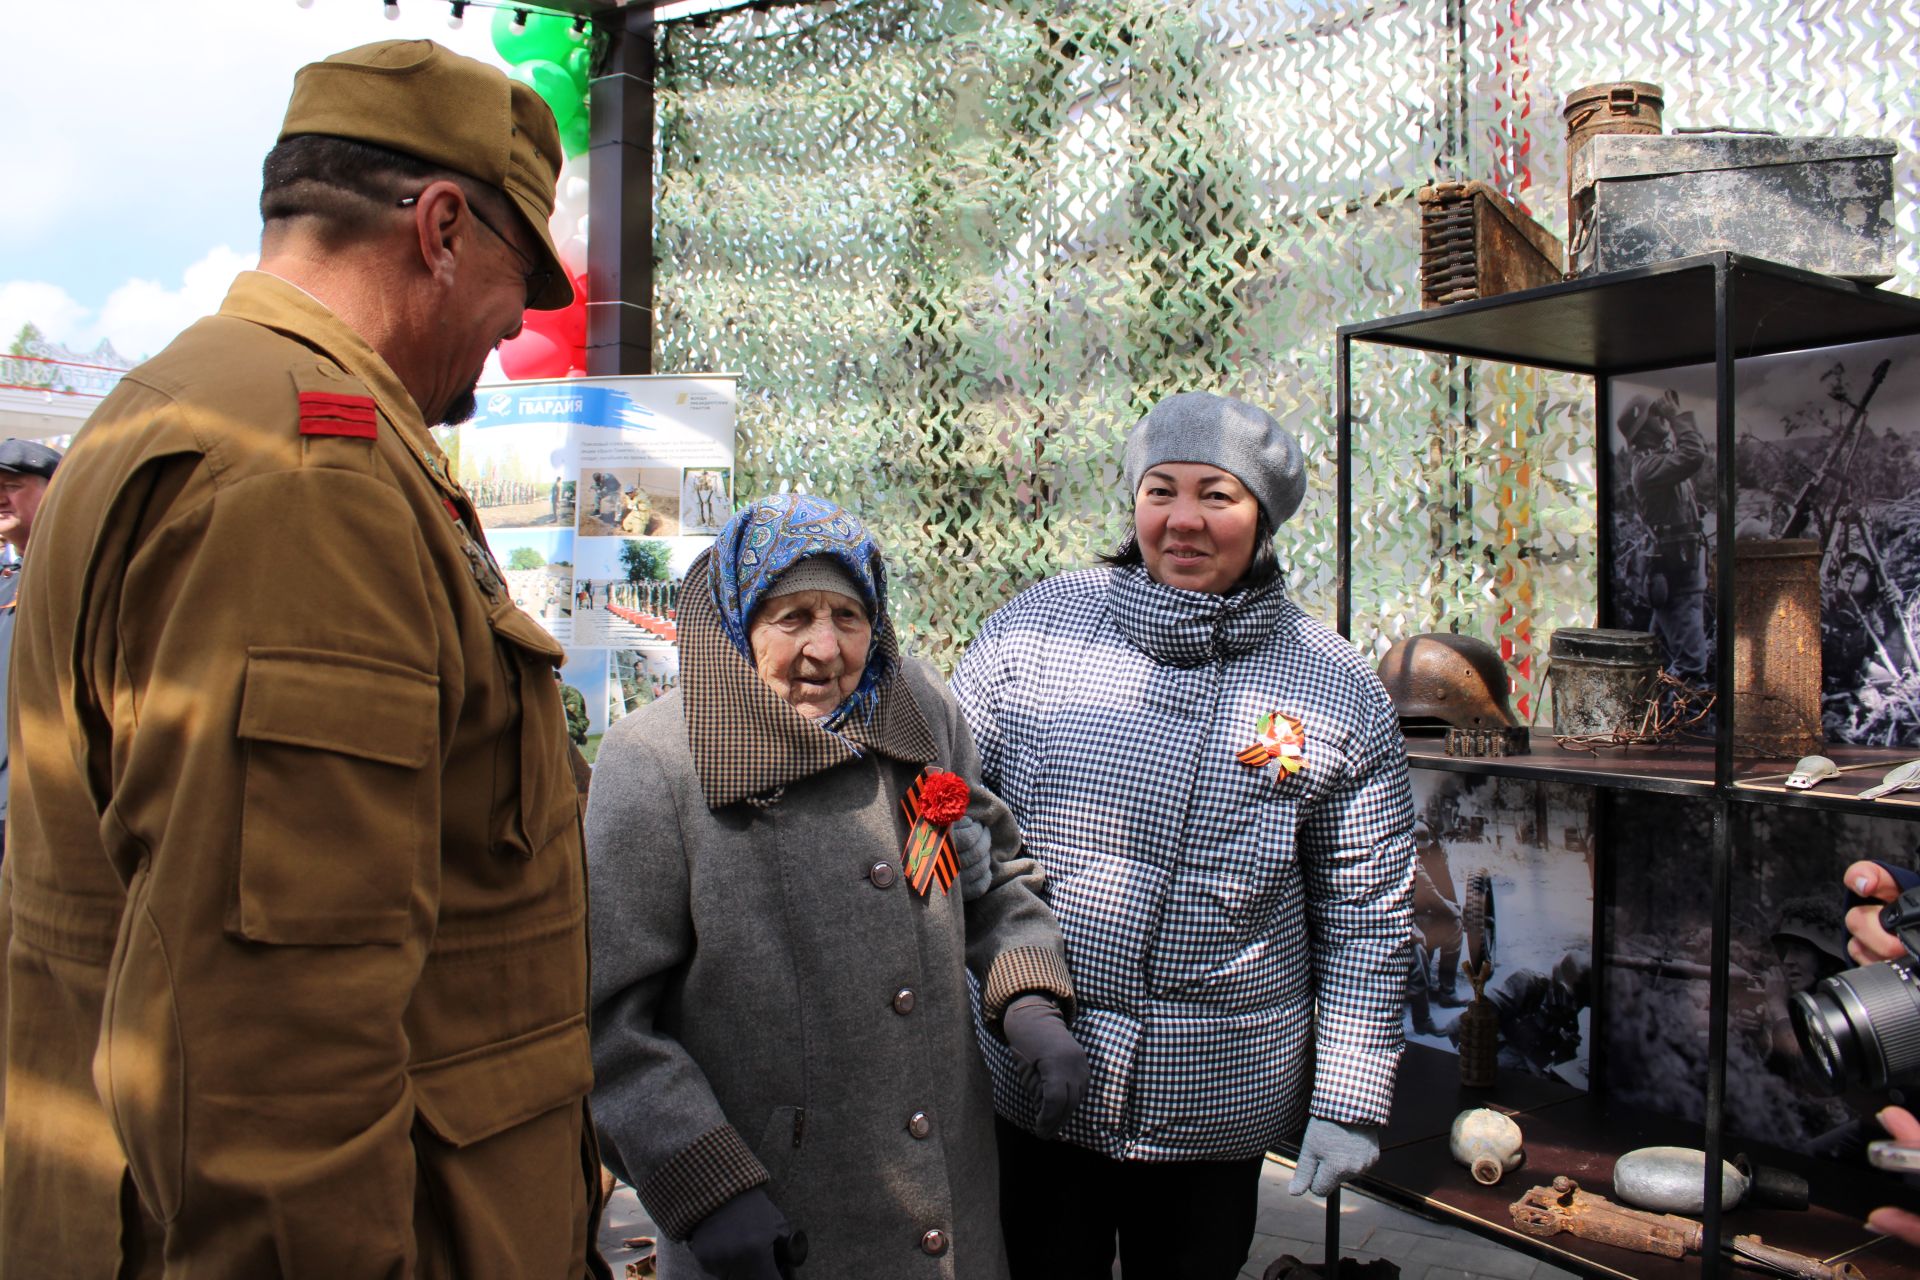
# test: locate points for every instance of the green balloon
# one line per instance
(552, 82)
(580, 62)
(547, 36)
(574, 135)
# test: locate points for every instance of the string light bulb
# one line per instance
(392, 9)
(519, 22)
(580, 27)
(458, 17)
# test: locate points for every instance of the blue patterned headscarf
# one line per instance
(769, 536)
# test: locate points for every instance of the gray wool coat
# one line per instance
(770, 1009)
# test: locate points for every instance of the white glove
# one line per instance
(973, 849)
(1332, 1152)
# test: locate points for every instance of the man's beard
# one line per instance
(461, 408)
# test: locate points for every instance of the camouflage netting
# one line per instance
(955, 249)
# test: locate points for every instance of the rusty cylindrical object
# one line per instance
(1480, 1033)
(1602, 678)
(1618, 106)
(1776, 647)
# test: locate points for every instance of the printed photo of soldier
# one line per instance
(1502, 877)
(1665, 467)
(630, 502)
(1788, 935)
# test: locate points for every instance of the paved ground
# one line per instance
(1422, 1250)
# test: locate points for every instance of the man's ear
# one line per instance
(442, 227)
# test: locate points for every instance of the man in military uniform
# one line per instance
(1665, 452)
(296, 982)
(25, 468)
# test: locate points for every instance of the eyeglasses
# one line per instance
(537, 277)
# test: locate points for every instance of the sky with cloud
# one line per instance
(138, 134)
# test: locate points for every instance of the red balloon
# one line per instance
(535, 355)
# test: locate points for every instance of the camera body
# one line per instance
(1862, 1026)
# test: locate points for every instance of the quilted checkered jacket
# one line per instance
(1226, 922)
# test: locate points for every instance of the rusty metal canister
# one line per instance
(1602, 678)
(1618, 106)
(1776, 647)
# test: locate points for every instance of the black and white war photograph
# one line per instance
(1503, 899)
(538, 567)
(518, 476)
(624, 502)
(1788, 933)
(706, 498)
(626, 591)
(1825, 452)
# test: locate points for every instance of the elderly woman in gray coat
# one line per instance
(785, 909)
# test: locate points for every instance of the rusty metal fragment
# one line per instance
(1563, 1206)
(1754, 1253)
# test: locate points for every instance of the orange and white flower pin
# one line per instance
(1281, 739)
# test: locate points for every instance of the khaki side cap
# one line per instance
(418, 98)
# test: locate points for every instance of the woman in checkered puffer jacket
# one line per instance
(1217, 788)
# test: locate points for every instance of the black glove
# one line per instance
(1053, 1066)
(747, 1238)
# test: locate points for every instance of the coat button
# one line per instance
(881, 873)
(903, 1001)
(919, 1124)
(934, 1242)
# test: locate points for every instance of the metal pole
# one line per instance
(1721, 923)
(620, 202)
(1343, 483)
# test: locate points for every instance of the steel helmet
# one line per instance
(1438, 678)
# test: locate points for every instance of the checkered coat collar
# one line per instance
(1191, 628)
(746, 740)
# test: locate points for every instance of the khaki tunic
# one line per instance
(294, 888)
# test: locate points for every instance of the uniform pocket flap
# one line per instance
(340, 702)
(512, 624)
(472, 1096)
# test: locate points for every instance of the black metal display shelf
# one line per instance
(1716, 308)
(1687, 769)
(1652, 317)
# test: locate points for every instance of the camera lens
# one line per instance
(1862, 1027)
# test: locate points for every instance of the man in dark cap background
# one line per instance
(25, 468)
(1665, 452)
(293, 915)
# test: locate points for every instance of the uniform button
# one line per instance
(919, 1124)
(881, 873)
(934, 1242)
(903, 1001)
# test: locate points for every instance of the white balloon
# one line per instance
(573, 254)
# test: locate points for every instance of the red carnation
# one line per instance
(943, 797)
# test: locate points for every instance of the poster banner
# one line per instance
(596, 495)
(1825, 451)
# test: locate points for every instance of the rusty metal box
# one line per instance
(1825, 204)
(1474, 244)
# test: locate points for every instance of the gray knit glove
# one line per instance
(1332, 1152)
(1053, 1066)
(973, 847)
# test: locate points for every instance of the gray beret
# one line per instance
(816, 573)
(1197, 426)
